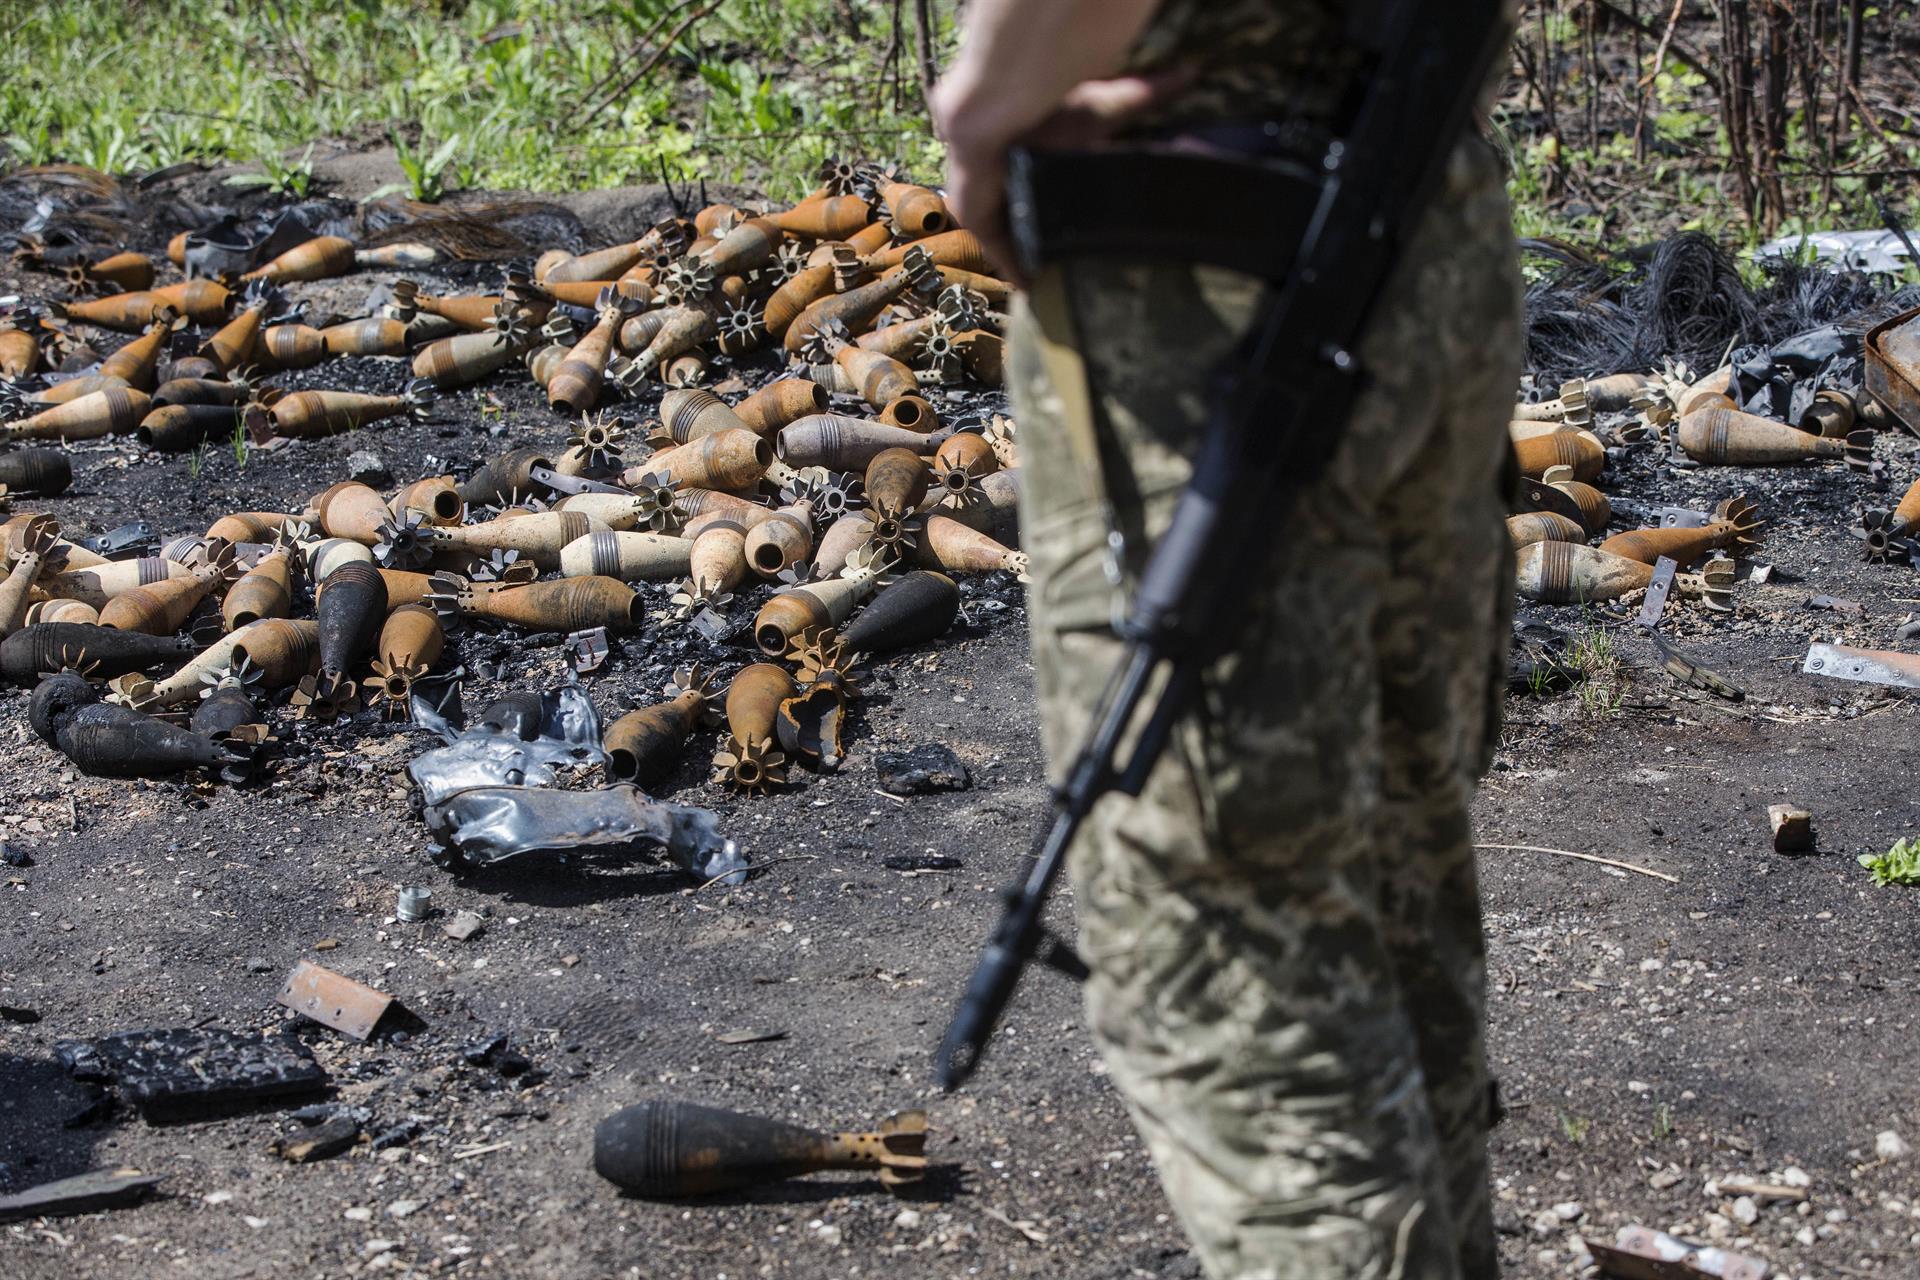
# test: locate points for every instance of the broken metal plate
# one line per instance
(587, 650)
(1868, 666)
(1688, 671)
(572, 484)
(334, 1000)
(1893, 367)
(127, 542)
(1643, 1254)
(192, 1069)
(1657, 591)
(83, 1193)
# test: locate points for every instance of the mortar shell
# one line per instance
(411, 637)
(134, 364)
(74, 388)
(201, 301)
(282, 650)
(19, 580)
(473, 312)
(236, 342)
(248, 526)
(718, 561)
(310, 415)
(751, 244)
(946, 543)
(115, 411)
(643, 746)
(688, 369)
(1831, 415)
(351, 510)
(627, 556)
(180, 428)
(538, 537)
(698, 507)
(617, 511)
(316, 259)
(292, 346)
(1709, 392)
(1737, 531)
(329, 554)
(1543, 526)
(792, 299)
(264, 591)
(1612, 393)
(40, 472)
(1571, 573)
(777, 404)
(1732, 438)
(575, 386)
(831, 218)
(689, 413)
(436, 498)
(915, 211)
(464, 358)
(405, 587)
(638, 332)
(100, 583)
(843, 537)
(958, 249)
(350, 605)
(158, 608)
(754, 698)
(62, 611)
(129, 271)
(192, 367)
(895, 486)
(672, 1149)
(919, 606)
(222, 711)
(504, 475)
(731, 459)
(1528, 428)
(201, 391)
(911, 412)
(681, 330)
(901, 340)
(1575, 450)
(983, 354)
(43, 647)
(369, 336)
(997, 293)
(19, 353)
(782, 540)
(186, 682)
(841, 443)
(601, 264)
(570, 604)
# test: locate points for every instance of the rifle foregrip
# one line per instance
(973, 1022)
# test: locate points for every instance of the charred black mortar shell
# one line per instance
(919, 607)
(222, 711)
(117, 742)
(518, 713)
(682, 1149)
(181, 428)
(500, 477)
(351, 605)
(103, 652)
(43, 472)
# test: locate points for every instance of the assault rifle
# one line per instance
(1326, 242)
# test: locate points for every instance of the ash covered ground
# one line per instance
(1656, 1043)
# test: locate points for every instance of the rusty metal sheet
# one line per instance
(1640, 1253)
(1868, 666)
(334, 1000)
(1893, 367)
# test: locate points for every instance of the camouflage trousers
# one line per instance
(1284, 929)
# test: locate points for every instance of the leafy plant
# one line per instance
(425, 180)
(1574, 1128)
(1898, 865)
(276, 173)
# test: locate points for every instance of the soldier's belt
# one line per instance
(1243, 214)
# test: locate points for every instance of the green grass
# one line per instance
(1899, 865)
(497, 94)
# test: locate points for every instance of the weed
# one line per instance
(1574, 1127)
(240, 450)
(197, 460)
(1662, 1122)
(292, 179)
(1595, 663)
(1898, 865)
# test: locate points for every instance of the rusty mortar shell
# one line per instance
(402, 255)
(698, 507)
(1735, 528)
(202, 391)
(467, 357)
(1543, 526)
(309, 415)
(855, 306)
(896, 484)
(237, 342)
(958, 249)
(1878, 529)
(436, 498)
(779, 404)
(264, 591)
(830, 376)
(180, 428)
(161, 608)
(748, 760)
(629, 556)
(988, 291)
(681, 330)
(618, 511)
(590, 294)
(792, 299)
(916, 607)
(717, 219)
(1610, 394)
(843, 537)
(292, 346)
(1573, 573)
(97, 584)
(504, 476)
(569, 604)
(688, 413)
(329, 554)
(411, 642)
(61, 611)
(474, 312)
(134, 363)
(829, 218)
(114, 741)
(914, 211)
(538, 537)
(39, 472)
(638, 332)
(368, 336)
(316, 259)
(177, 248)
(686, 370)
(1529, 428)
(810, 724)
(843, 444)
(968, 453)
(1731, 438)
(643, 746)
(350, 606)
(200, 301)
(818, 605)
(191, 367)
(127, 271)
(31, 546)
(42, 648)
(1577, 451)
(547, 261)
(717, 562)
(405, 587)
(1574, 499)
(544, 362)
(115, 411)
(1707, 393)
(946, 543)
(900, 340)
(248, 526)
(575, 386)
(187, 681)
(73, 389)
(350, 509)
(282, 650)
(751, 244)
(663, 1150)
(19, 353)
(782, 540)
(880, 380)
(731, 460)
(1831, 415)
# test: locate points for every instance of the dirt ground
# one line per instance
(1656, 1043)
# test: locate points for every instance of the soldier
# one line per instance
(1288, 973)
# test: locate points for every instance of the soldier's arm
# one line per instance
(1028, 67)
